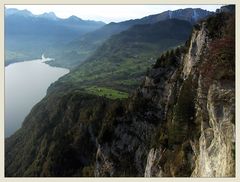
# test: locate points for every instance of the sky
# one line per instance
(106, 13)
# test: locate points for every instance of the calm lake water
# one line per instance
(26, 84)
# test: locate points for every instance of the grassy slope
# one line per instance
(107, 92)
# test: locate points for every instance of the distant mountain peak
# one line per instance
(74, 17)
(188, 14)
(50, 15)
(12, 11)
(170, 14)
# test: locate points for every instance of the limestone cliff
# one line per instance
(206, 147)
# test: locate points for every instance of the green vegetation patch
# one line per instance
(16, 56)
(107, 92)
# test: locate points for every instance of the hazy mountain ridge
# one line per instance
(193, 15)
(54, 43)
(84, 47)
(31, 35)
(48, 15)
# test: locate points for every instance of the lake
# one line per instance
(26, 84)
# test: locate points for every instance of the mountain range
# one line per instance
(27, 36)
(80, 50)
